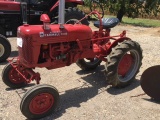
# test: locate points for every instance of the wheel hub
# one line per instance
(125, 64)
(41, 103)
(15, 77)
(1, 50)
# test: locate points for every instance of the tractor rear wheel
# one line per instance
(73, 15)
(88, 64)
(5, 48)
(123, 63)
(40, 101)
(12, 78)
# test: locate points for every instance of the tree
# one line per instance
(133, 8)
(130, 8)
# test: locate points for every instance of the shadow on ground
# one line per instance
(94, 82)
(13, 54)
(118, 91)
(4, 62)
(152, 100)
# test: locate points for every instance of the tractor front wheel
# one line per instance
(88, 63)
(40, 101)
(123, 63)
(12, 78)
(5, 48)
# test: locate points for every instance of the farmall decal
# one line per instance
(42, 34)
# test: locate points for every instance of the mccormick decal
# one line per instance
(42, 34)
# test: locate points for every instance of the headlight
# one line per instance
(19, 42)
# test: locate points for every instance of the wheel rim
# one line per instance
(15, 77)
(1, 50)
(91, 61)
(128, 65)
(72, 21)
(41, 103)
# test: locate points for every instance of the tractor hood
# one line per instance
(55, 35)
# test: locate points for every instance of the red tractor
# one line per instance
(11, 16)
(59, 45)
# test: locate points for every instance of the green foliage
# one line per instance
(131, 8)
(87, 2)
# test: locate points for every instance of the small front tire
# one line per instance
(12, 78)
(40, 101)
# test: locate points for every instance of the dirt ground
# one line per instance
(85, 95)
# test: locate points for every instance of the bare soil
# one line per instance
(86, 95)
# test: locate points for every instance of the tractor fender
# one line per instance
(113, 44)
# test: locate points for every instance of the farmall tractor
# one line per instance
(54, 46)
(11, 16)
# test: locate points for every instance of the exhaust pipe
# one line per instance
(24, 12)
(61, 10)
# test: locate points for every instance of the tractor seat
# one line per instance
(107, 23)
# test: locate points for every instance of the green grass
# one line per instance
(141, 22)
(134, 21)
(138, 21)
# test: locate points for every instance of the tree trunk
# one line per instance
(121, 13)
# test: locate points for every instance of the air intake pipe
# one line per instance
(61, 11)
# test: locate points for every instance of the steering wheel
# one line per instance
(97, 5)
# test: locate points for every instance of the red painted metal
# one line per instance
(58, 42)
(15, 77)
(45, 18)
(41, 103)
(15, 6)
(20, 73)
(9, 5)
(55, 47)
(125, 64)
(81, 2)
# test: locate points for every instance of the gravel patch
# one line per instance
(85, 95)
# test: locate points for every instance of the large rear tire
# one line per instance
(40, 101)
(123, 64)
(88, 64)
(72, 15)
(5, 48)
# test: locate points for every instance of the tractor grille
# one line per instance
(25, 52)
